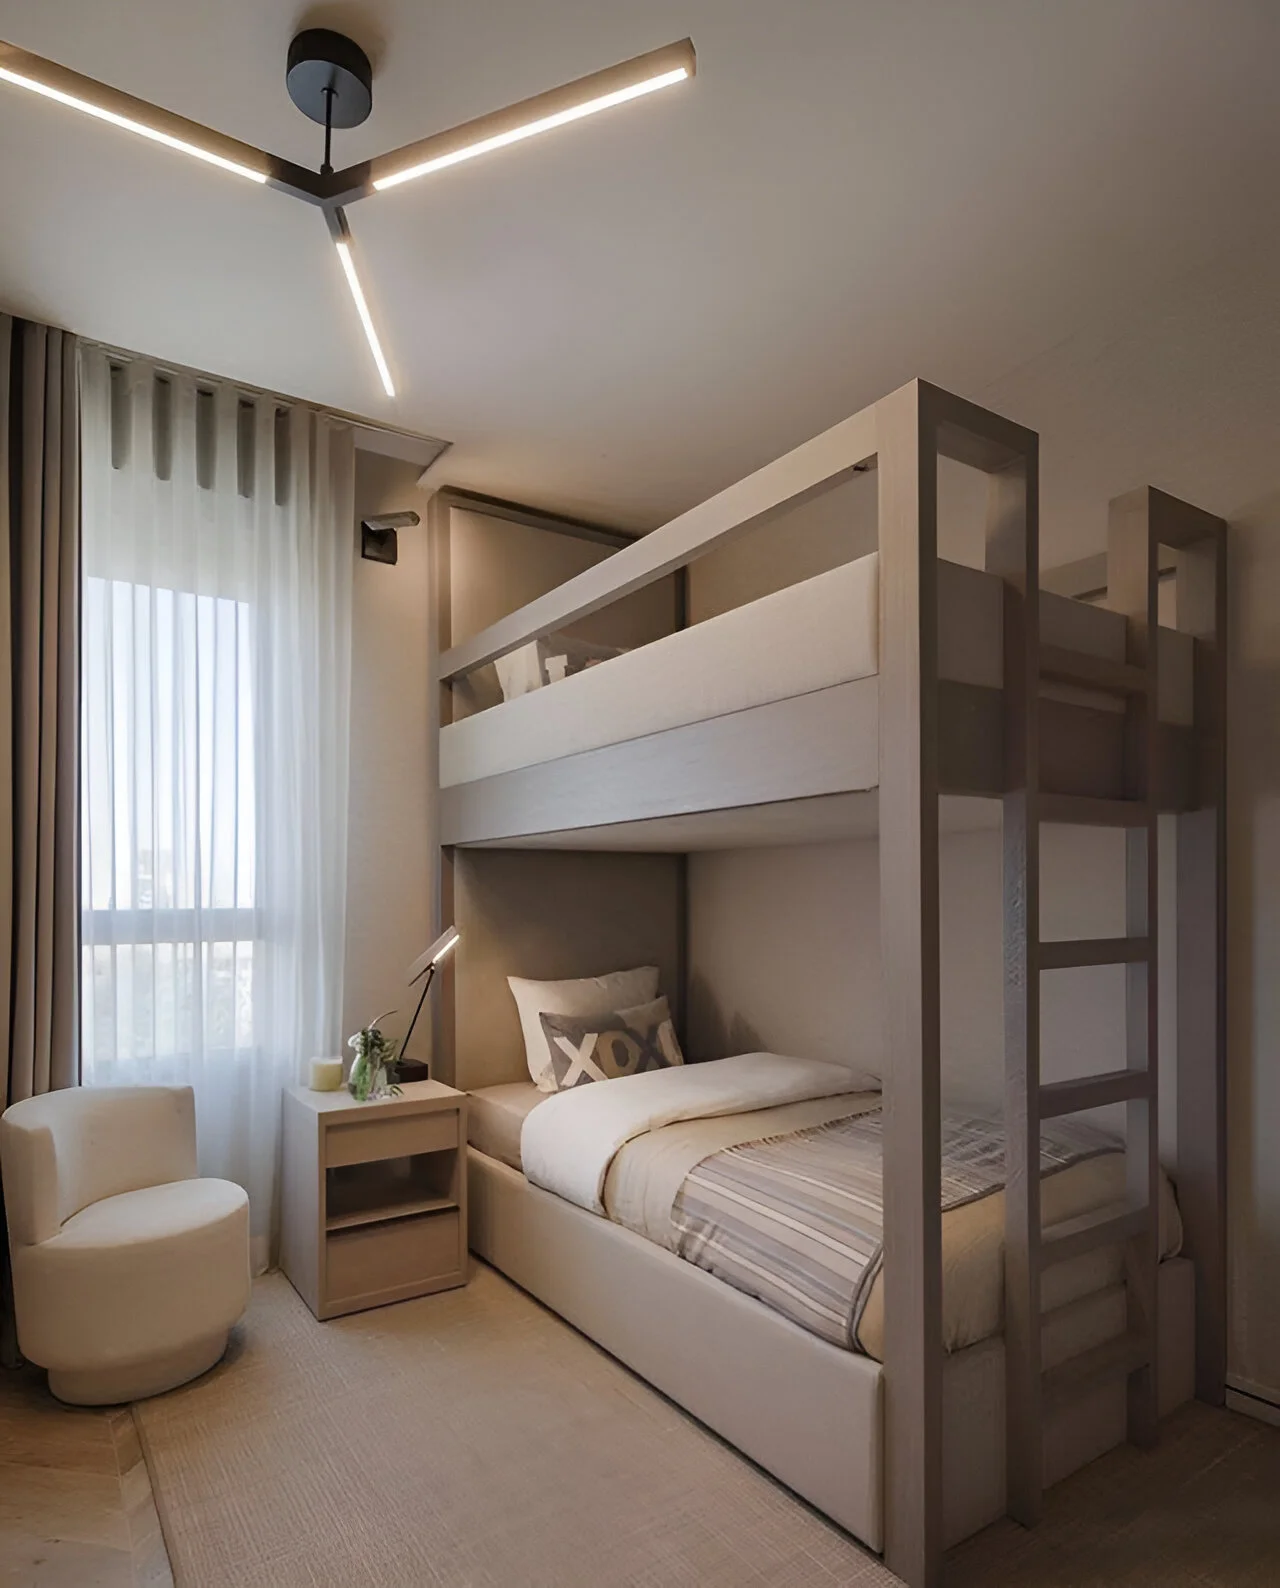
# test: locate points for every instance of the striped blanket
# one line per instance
(797, 1221)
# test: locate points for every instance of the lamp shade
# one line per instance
(439, 950)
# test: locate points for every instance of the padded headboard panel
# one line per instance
(550, 916)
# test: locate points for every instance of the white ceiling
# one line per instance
(619, 318)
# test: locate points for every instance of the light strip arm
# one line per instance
(341, 234)
(92, 98)
(556, 108)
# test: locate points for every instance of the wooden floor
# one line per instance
(1201, 1510)
(76, 1509)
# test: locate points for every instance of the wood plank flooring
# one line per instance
(1200, 1510)
(76, 1508)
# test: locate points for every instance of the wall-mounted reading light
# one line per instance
(378, 535)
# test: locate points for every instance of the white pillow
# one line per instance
(519, 671)
(590, 995)
(547, 661)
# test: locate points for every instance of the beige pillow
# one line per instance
(589, 995)
(587, 1048)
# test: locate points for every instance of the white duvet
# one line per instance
(568, 1142)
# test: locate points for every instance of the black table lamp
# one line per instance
(425, 966)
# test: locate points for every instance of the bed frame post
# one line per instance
(1013, 552)
(907, 454)
(683, 999)
(440, 708)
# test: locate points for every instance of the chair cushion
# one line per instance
(145, 1273)
(156, 1213)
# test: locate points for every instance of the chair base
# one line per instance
(135, 1381)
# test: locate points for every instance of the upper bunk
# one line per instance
(764, 722)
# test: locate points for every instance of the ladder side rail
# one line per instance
(1133, 590)
(1200, 547)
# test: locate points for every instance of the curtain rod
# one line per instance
(411, 446)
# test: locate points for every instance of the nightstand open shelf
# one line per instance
(391, 1188)
(385, 1213)
(374, 1196)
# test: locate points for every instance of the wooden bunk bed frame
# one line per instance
(1046, 761)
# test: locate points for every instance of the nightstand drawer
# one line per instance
(383, 1257)
(391, 1136)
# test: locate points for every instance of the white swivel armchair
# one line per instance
(128, 1270)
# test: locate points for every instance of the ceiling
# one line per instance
(617, 319)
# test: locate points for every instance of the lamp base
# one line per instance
(412, 1070)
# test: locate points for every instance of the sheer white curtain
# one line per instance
(216, 639)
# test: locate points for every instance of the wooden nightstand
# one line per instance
(374, 1196)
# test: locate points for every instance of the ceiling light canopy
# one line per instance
(330, 79)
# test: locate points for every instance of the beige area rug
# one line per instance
(466, 1440)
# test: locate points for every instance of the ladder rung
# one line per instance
(1069, 953)
(1092, 672)
(1106, 1227)
(1092, 1091)
(1080, 810)
(1121, 1355)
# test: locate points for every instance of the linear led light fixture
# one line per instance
(62, 86)
(341, 234)
(615, 85)
(330, 79)
(530, 129)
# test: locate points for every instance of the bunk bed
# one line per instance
(895, 694)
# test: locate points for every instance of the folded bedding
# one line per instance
(568, 1144)
(766, 1172)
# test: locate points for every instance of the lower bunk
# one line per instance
(806, 1410)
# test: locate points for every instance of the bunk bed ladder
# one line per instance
(1030, 1248)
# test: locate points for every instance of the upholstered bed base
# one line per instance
(806, 1411)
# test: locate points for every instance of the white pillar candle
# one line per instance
(326, 1075)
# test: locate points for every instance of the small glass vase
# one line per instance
(367, 1081)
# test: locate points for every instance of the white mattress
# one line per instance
(811, 635)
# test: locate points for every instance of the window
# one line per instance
(216, 553)
(167, 827)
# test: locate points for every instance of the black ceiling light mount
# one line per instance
(330, 80)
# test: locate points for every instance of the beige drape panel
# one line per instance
(39, 730)
(39, 698)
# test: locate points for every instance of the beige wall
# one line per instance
(388, 864)
(785, 956)
(832, 527)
